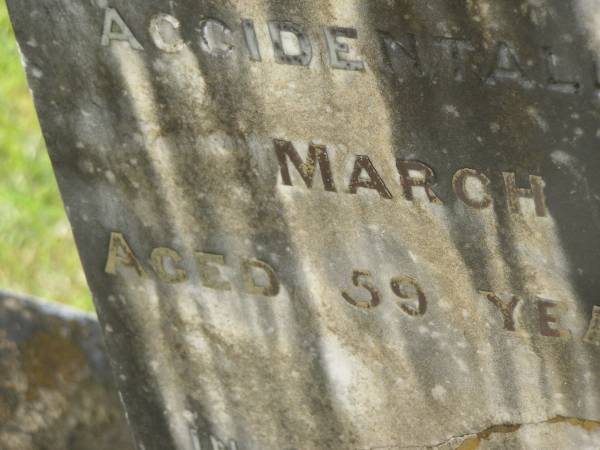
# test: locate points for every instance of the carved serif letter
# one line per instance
(119, 253)
(159, 259)
(592, 336)
(514, 194)
(364, 164)
(506, 309)
(252, 286)
(317, 154)
(115, 29)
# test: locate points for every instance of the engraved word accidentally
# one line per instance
(405, 55)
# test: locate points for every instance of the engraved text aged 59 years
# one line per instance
(258, 278)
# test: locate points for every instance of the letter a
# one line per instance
(120, 253)
(113, 20)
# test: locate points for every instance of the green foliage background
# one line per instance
(37, 252)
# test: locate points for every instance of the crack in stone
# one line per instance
(472, 441)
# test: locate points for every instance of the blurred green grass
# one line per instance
(37, 252)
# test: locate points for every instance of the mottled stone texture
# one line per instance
(56, 388)
(383, 232)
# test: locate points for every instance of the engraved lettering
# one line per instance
(507, 67)
(596, 70)
(210, 275)
(416, 174)
(360, 280)
(268, 289)
(119, 253)
(417, 179)
(401, 52)
(164, 30)
(251, 40)
(163, 262)
(194, 438)
(553, 83)
(456, 51)
(317, 154)
(471, 187)
(364, 164)
(407, 288)
(592, 336)
(115, 29)
(513, 193)
(291, 45)
(216, 38)
(217, 444)
(338, 50)
(548, 322)
(506, 309)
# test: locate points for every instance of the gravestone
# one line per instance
(334, 224)
(56, 386)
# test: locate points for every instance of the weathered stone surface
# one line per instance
(332, 224)
(56, 387)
